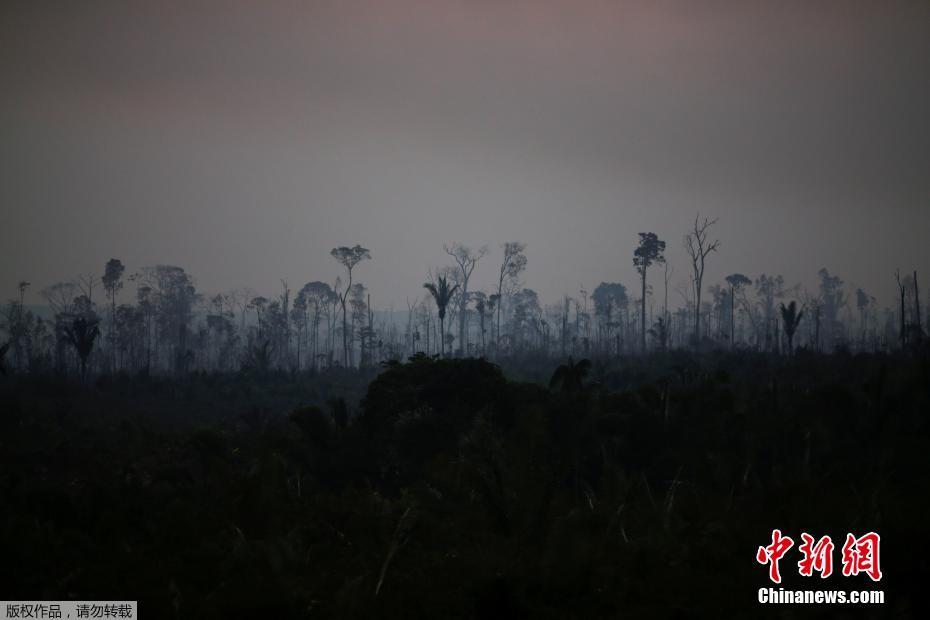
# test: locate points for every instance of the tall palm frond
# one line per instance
(790, 318)
(442, 294)
(82, 333)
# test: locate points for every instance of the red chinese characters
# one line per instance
(773, 553)
(817, 556)
(860, 555)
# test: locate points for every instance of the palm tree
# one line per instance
(570, 376)
(81, 334)
(791, 318)
(442, 294)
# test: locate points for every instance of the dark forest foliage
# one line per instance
(635, 487)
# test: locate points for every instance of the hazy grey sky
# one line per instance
(243, 140)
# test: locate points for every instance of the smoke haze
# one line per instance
(242, 141)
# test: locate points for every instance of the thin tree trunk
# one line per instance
(643, 313)
(917, 307)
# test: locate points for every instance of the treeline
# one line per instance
(156, 320)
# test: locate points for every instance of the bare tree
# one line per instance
(348, 258)
(466, 259)
(699, 246)
(514, 262)
(412, 333)
(87, 283)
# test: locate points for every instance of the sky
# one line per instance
(244, 140)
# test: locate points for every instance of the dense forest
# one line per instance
(482, 455)
(632, 487)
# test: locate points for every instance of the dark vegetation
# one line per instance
(631, 487)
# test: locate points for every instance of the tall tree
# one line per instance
(919, 330)
(318, 296)
(902, 290)
(442, 295)
(834, 299)
(112, 283)
(514, 262)
(348, 258)
(299, 319)
(862, 304)
(16, 326)
(736, 281)
(466, 259)
(174, 295)
(768, 288)
(790, 318)
(610, 298)
(649, 251)
(483, 306)
(699, 246)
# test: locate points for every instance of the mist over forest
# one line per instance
(162, 323)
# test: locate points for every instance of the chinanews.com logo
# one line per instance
(860, 555)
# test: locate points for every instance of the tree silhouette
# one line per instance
(113, 273)
(172, 295)
(348, 258)
(902, 290)
(484, 306)
(570, 376)
(442, 294)
(317, 296)
(649, 251)
(81, 334)
(23, 285)
(514, 262)
(918, 331)
(466, 259)
(698, 247)
(834, 300)
(608, 298)
(791, 318)
(736, 282)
